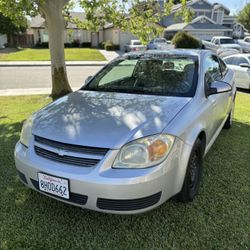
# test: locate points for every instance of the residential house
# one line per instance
(71, 33)
(209, 20)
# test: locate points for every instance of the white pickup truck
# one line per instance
(245, 44)
(222, 43)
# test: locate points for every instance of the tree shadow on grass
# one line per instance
(216, 213)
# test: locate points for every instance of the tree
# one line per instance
(141, 22)
(244, 17)
(141, 18)
(8, 27)
(52, 11)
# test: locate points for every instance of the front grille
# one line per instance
(70, 147)
(73, 197)
(128, 205)
(72, 160)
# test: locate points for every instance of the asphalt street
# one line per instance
(40, 77)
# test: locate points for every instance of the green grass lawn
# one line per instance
(218, 219)
(43, 55)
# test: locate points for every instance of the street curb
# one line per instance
(48, 65)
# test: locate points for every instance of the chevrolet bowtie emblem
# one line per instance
(61, 152)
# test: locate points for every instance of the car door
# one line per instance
(218, 103)
(242, 73)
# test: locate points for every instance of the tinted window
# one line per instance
(230, 60)
(160, 40)
(157, 75)
(235, 60)
(240, 60)
(227, 41)
(136, 43)
(212, 70)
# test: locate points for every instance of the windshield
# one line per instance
(136, 43)
(160, 40)
(170, 76)
(227, 41)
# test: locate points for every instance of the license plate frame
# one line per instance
(54, 185)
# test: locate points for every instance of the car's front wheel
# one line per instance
(193, 174)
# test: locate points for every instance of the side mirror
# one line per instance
(245, 65)
(218, 87)
(88, 80)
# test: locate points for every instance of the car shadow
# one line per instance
(21, 202)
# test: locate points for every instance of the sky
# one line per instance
(233, 5)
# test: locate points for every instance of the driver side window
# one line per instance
(212, 70)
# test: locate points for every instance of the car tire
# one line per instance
(193, 174)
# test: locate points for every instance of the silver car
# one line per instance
(159, 44)
(240, 64)
(133, 136)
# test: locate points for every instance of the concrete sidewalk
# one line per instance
(30, 91)
(47, 63)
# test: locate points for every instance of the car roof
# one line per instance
(222, 37)
(170, 52)
(237, 55)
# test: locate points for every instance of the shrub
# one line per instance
(186, 41)
(76, 44)
(43, 45)
(102, 45)
(68, 45)
(86, 45)
(110, 46)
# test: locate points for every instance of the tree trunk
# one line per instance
(52, 11)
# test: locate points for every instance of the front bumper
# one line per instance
(101, 188)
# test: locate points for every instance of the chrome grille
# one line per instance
(70, 147)
(68, 153)
(84, 162)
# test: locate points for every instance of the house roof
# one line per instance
(199, 23)
(39, 22)
(201, 5)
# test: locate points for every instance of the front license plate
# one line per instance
(54, 185)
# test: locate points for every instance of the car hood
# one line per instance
(105, 119)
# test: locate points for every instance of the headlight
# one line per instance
(145, 152)
(26, 132)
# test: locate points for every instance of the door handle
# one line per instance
(214, 102)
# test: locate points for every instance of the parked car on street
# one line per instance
(222, 42)
(135, 45)
(160, 44)
(240, 64)
(245, 44)
(133, 136)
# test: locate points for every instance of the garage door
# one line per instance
(125, 38)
